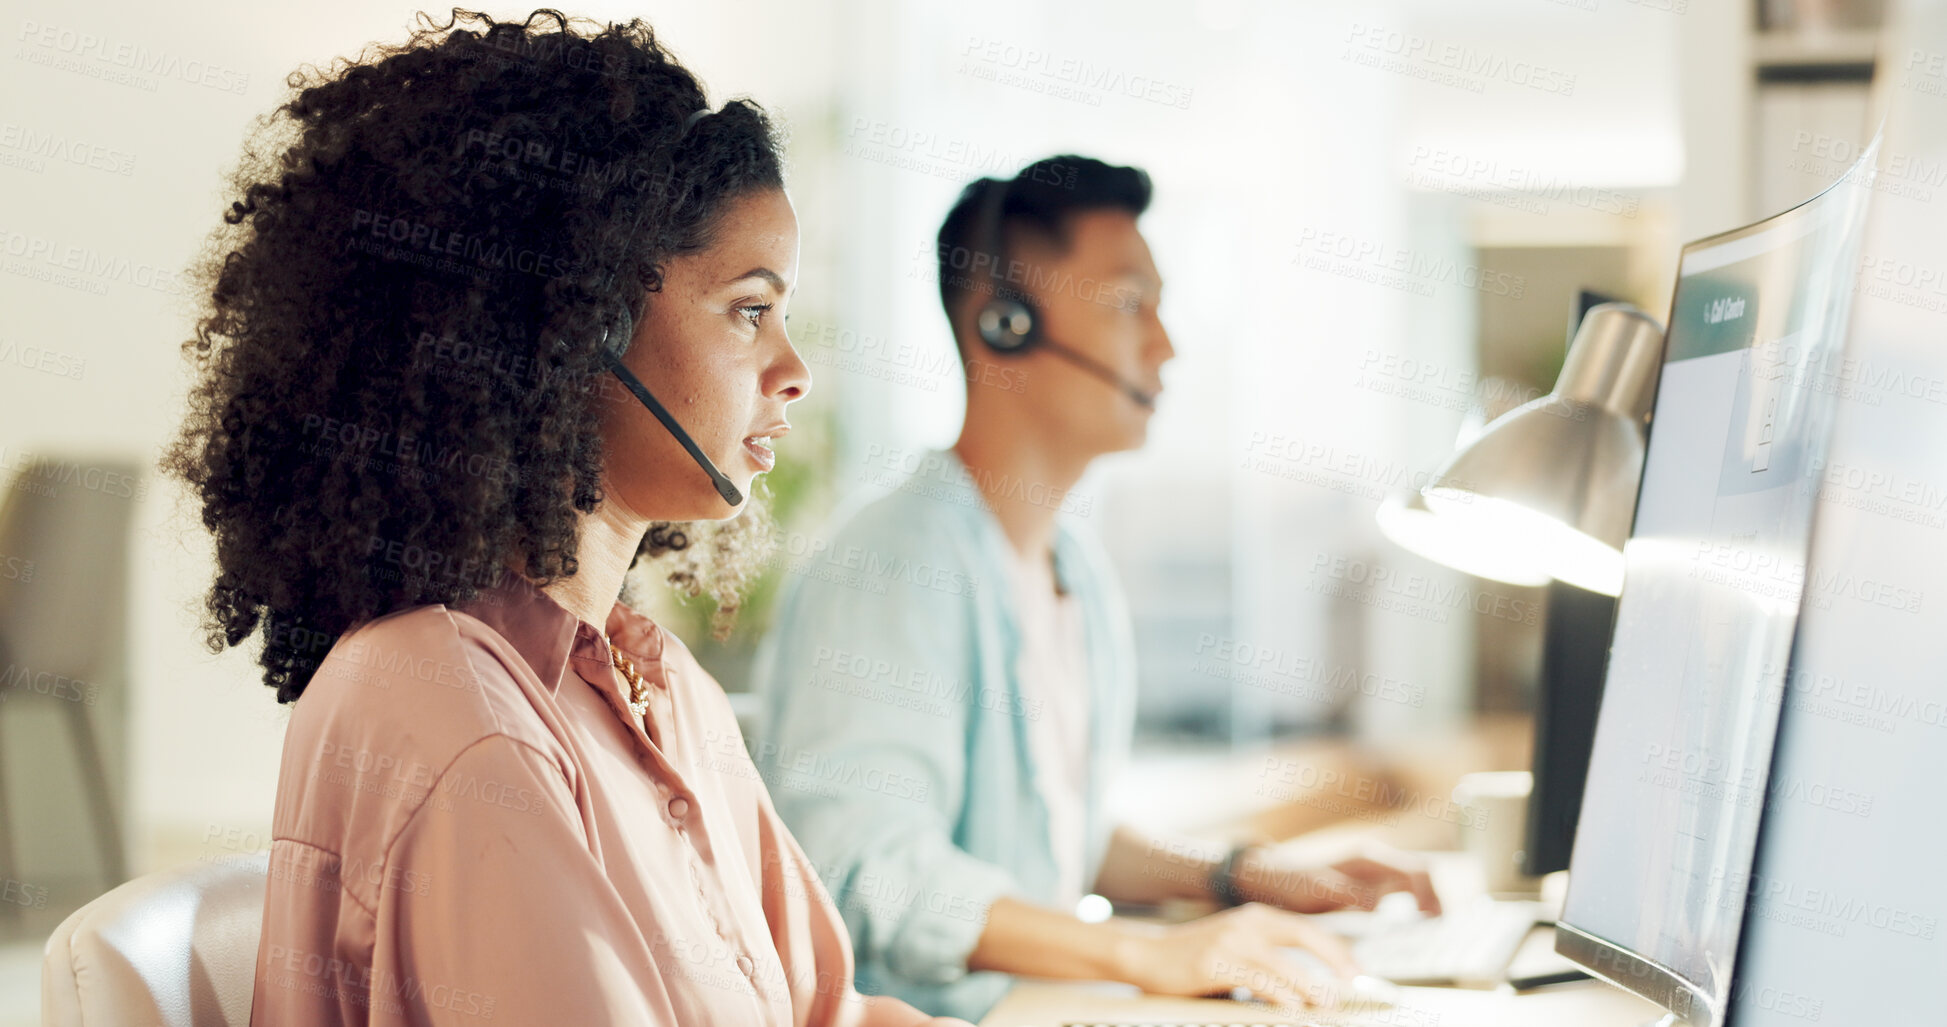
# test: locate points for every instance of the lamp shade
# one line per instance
(1551, 485)
(1407, 520)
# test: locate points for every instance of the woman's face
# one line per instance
(712, 348)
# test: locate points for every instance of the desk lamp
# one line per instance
(1548, 489)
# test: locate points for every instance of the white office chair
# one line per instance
(65, 618)
(177, 948)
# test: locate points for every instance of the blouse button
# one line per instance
(679, 807)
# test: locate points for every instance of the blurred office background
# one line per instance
(1374, 219)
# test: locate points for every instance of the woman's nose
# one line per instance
(791, 376)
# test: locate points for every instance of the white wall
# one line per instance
(206, 734)
(1281, 134)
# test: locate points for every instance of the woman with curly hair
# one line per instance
(426, 443)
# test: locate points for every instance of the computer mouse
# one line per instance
(1362, 990)
(1374, 991)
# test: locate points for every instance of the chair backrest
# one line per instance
(177, 948)
(64, 555)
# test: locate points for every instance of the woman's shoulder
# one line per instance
(380, 733)
(420, 684)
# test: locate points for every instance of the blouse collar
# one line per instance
(547, 635)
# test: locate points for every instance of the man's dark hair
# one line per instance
(1042, 199)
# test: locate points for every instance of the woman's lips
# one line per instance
(760, 453)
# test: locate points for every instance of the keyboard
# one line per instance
(1469, 946)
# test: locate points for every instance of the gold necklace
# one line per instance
(638, 697)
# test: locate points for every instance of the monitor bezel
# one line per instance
(1657, 983)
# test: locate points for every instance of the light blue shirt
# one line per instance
(895, 738)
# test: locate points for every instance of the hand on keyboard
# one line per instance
(1356, 881)
(1470, 945)
(1361, 991)
(1246, 947)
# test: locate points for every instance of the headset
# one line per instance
(1007, 322)
(613, 358)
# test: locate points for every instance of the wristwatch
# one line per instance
(1223, 877)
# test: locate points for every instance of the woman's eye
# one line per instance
(754, 313)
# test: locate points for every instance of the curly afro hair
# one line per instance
(398, 349)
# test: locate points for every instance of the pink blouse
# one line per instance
(472, 828)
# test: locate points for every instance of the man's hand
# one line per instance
(1353, 882)
(886, 1011)
(1241, 947)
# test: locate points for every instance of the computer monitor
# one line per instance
(1846, 905)
(1846, 899)
(1713, 573)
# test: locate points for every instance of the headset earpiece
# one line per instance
(1006, 326)
(619, 347)
(1010, 325)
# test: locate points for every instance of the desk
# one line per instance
(1201, 793)
(1217, 798)
(1046, 1003)
(1035, 1003)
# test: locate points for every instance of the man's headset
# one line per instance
(612, 356)
(1007, 322)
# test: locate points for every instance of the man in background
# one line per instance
(940, 738)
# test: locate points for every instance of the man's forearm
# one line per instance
(883, 1011)
(1139, 869)
(1025, 939)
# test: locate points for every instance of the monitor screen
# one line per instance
(1713, 573)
